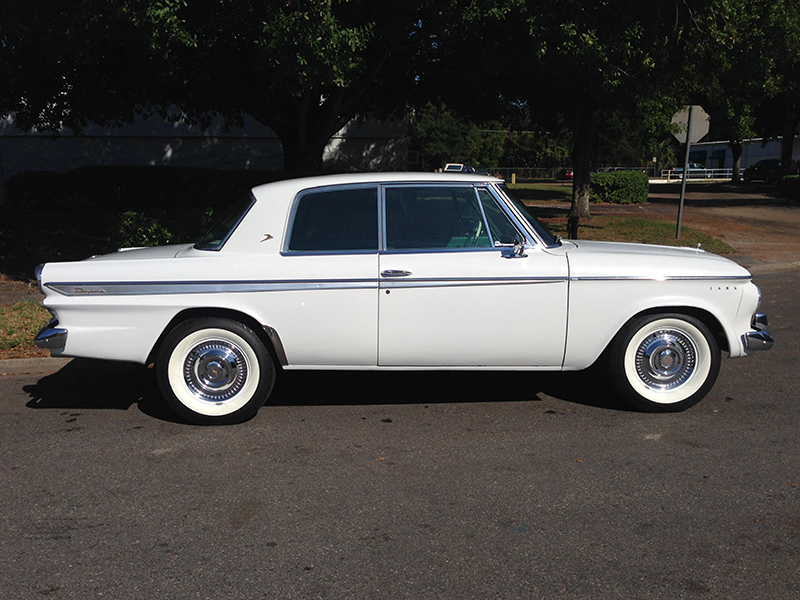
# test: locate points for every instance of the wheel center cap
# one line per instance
(667, 359)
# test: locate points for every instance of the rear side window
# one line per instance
(336, 221)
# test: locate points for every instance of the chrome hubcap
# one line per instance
(665, 359)
(215, 370)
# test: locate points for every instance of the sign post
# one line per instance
(693, 124)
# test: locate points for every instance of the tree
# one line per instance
(302, 67)
(65, 64)
(734, 69)
(779, 112)
(569, 62)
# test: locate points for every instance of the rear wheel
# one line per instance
(215, 371)
(664, 363)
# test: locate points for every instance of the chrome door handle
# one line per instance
(395, 273)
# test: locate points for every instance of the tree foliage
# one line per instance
(599, 77)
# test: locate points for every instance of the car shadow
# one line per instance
(106, 385)
(100, 385)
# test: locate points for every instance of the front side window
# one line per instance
(502, 230)
(434, 217)
(532, 221)
(335, 221)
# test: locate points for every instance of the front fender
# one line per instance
(599, 309)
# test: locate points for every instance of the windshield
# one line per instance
(532, 221)
(220, 231)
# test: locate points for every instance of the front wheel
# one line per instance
(215, 371)
(664, 363)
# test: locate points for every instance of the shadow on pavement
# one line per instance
(106, 385)
(719, 195)
(100, 385)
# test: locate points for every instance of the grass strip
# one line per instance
(638, 230)
(19, 324)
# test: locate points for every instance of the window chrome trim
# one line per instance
(287, 234)
(394, 251)
(290, 253)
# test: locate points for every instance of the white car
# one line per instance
(696, 171)
(399, 271)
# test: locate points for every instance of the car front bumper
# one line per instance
(760, 339)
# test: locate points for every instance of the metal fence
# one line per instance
(552, 173)
(696, 174)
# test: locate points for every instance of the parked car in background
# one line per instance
(564, 175)
(768, 170)
(458, 168)
(696, 171)
(400, 271)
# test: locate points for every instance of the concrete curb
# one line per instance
(757, 267)
(32, 366)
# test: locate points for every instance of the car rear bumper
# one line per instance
(52, 338)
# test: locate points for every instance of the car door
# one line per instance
(327, 313)
(453, 293)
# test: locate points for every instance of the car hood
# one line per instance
(144, 253)
(603, 260)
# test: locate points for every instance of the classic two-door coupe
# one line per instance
(399, 271)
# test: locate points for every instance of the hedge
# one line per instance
(93, 210)
(790, 186)
(131, 188)
(619, 187)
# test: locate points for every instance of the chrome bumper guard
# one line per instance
(51, 338)
(760, 339)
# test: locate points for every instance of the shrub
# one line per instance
(139, 229)
(131, 188)
(619, 187)
(790, 186)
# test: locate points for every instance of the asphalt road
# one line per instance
(446, 485)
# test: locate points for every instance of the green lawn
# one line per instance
(19, 323)
(637, 230)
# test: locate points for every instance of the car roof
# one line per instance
(294, 186)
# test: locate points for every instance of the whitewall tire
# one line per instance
(664, 362)
(215, 371)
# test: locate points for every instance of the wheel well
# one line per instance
(221, 313)
(705, 317)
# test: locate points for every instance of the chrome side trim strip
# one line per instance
(206, 287)
(463, 282)
(665, 278)
(217, 287)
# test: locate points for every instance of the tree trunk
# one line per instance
(301, 158)
(582, 141)
(736, 153)
(787, 143)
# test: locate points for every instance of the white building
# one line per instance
(718, 155)
(362, 145)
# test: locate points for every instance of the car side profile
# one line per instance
(768, 170)
(399, 271)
